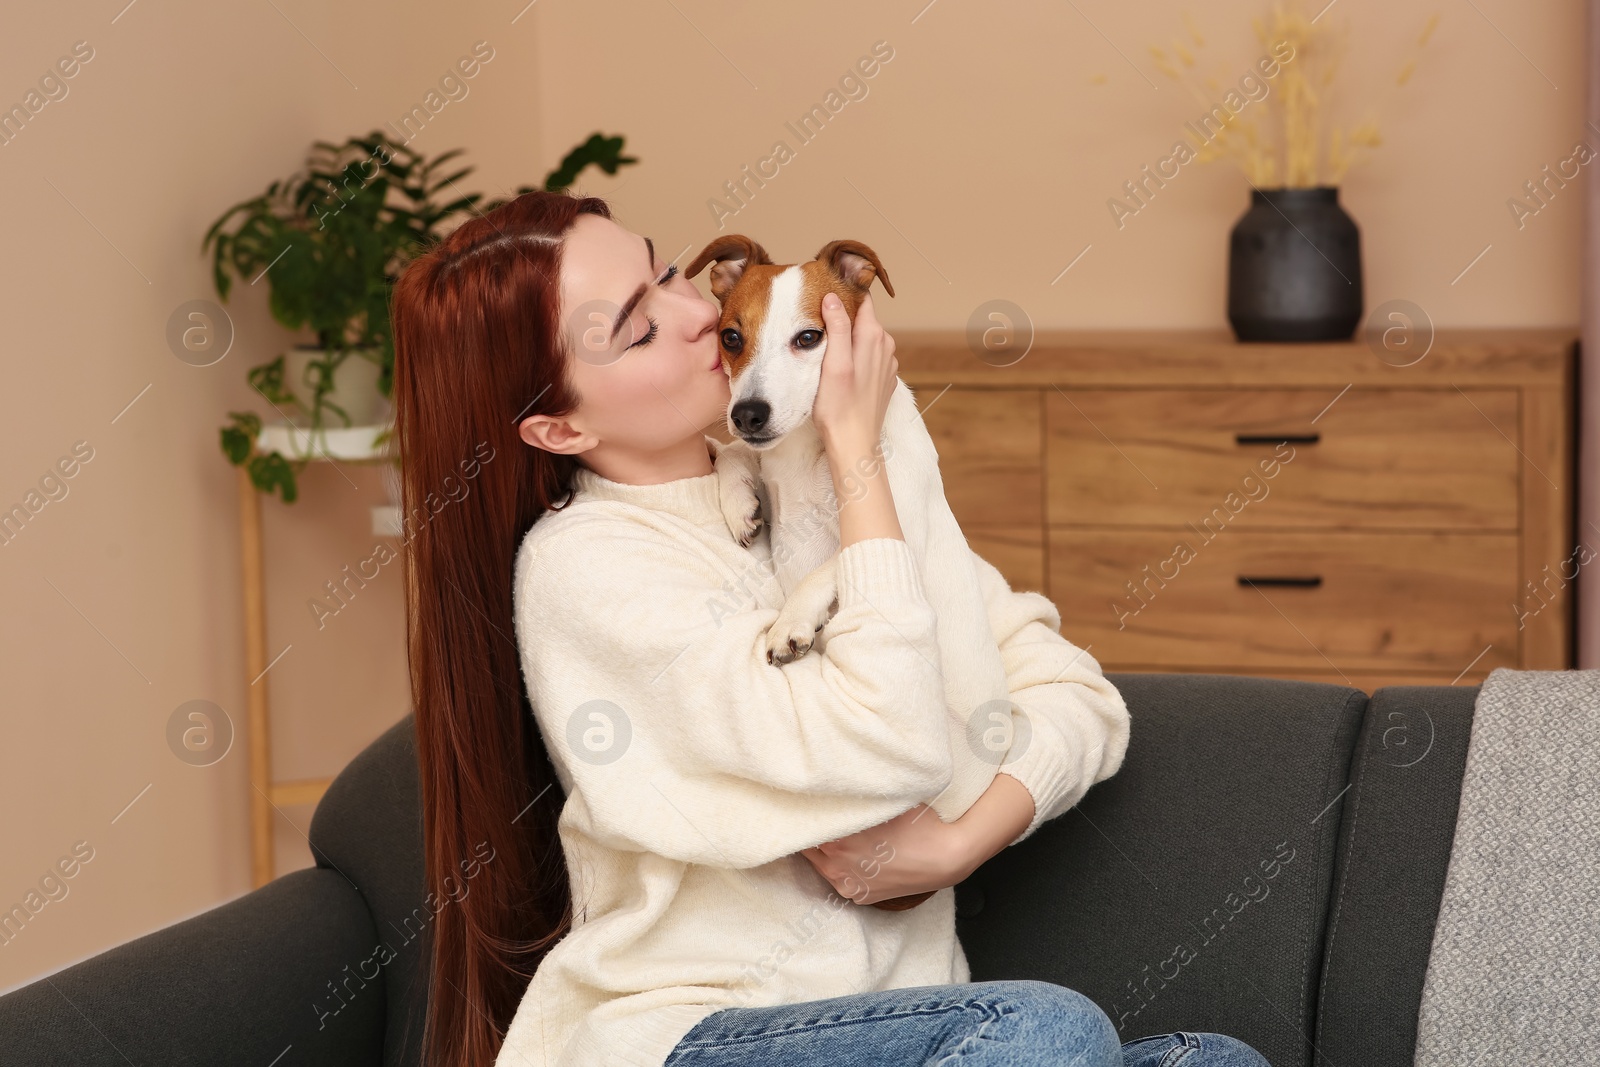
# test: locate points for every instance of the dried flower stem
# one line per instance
(1277, 141)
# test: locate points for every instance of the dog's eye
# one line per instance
(732, 341)
(808, 338)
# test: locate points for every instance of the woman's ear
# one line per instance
(855, 264)
(732, 253)
(554, 434)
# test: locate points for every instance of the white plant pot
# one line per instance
(355, 388)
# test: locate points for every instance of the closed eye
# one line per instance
(650, 334)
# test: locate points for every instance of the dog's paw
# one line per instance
(792, 634)
(743, 518)
(738, 469)
(787, 647)
(795, 630)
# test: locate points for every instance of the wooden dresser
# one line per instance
(1291, 510)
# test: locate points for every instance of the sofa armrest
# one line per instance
(270, 978)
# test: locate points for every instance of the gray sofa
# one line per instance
(1268, 863)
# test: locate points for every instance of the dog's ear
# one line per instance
(733, 253)
(855, 263)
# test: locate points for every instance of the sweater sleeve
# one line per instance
(1078, 722)
(674, 735)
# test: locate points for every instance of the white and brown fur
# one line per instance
(777, 453)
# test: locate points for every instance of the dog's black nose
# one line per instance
(750, 416)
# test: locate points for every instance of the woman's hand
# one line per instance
(859, 374)
(914, 852)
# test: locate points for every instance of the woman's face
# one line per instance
(644, 354)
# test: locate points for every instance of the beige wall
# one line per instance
(981, 161)
(978, 164)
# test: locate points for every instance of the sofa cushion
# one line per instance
(1393, 853)
(368, 827)
(1189, 890)
(272, 977)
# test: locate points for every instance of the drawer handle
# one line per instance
(1310, 582)
(1276, 438)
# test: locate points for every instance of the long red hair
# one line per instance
(478, 347)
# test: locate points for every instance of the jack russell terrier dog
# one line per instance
(772, 338)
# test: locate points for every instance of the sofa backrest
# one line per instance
(1189, 890)
(1254, 822)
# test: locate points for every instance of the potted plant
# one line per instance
(1294, 257)
(330, 242)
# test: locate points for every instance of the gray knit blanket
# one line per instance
(1514, 975)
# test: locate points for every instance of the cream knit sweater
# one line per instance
(695, 771)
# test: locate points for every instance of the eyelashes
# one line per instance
(650, 334)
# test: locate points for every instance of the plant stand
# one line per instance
(353, 444)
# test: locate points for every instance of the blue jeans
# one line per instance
(979, 1024)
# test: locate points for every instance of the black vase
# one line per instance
(1294, 268)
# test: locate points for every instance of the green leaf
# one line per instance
(604, 152)
(267, 379)
(271, 472)
(239, 439)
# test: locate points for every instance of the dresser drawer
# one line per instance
(1372, 458)
(1310, 601)
(988, 442)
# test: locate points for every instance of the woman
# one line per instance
(681, 838)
